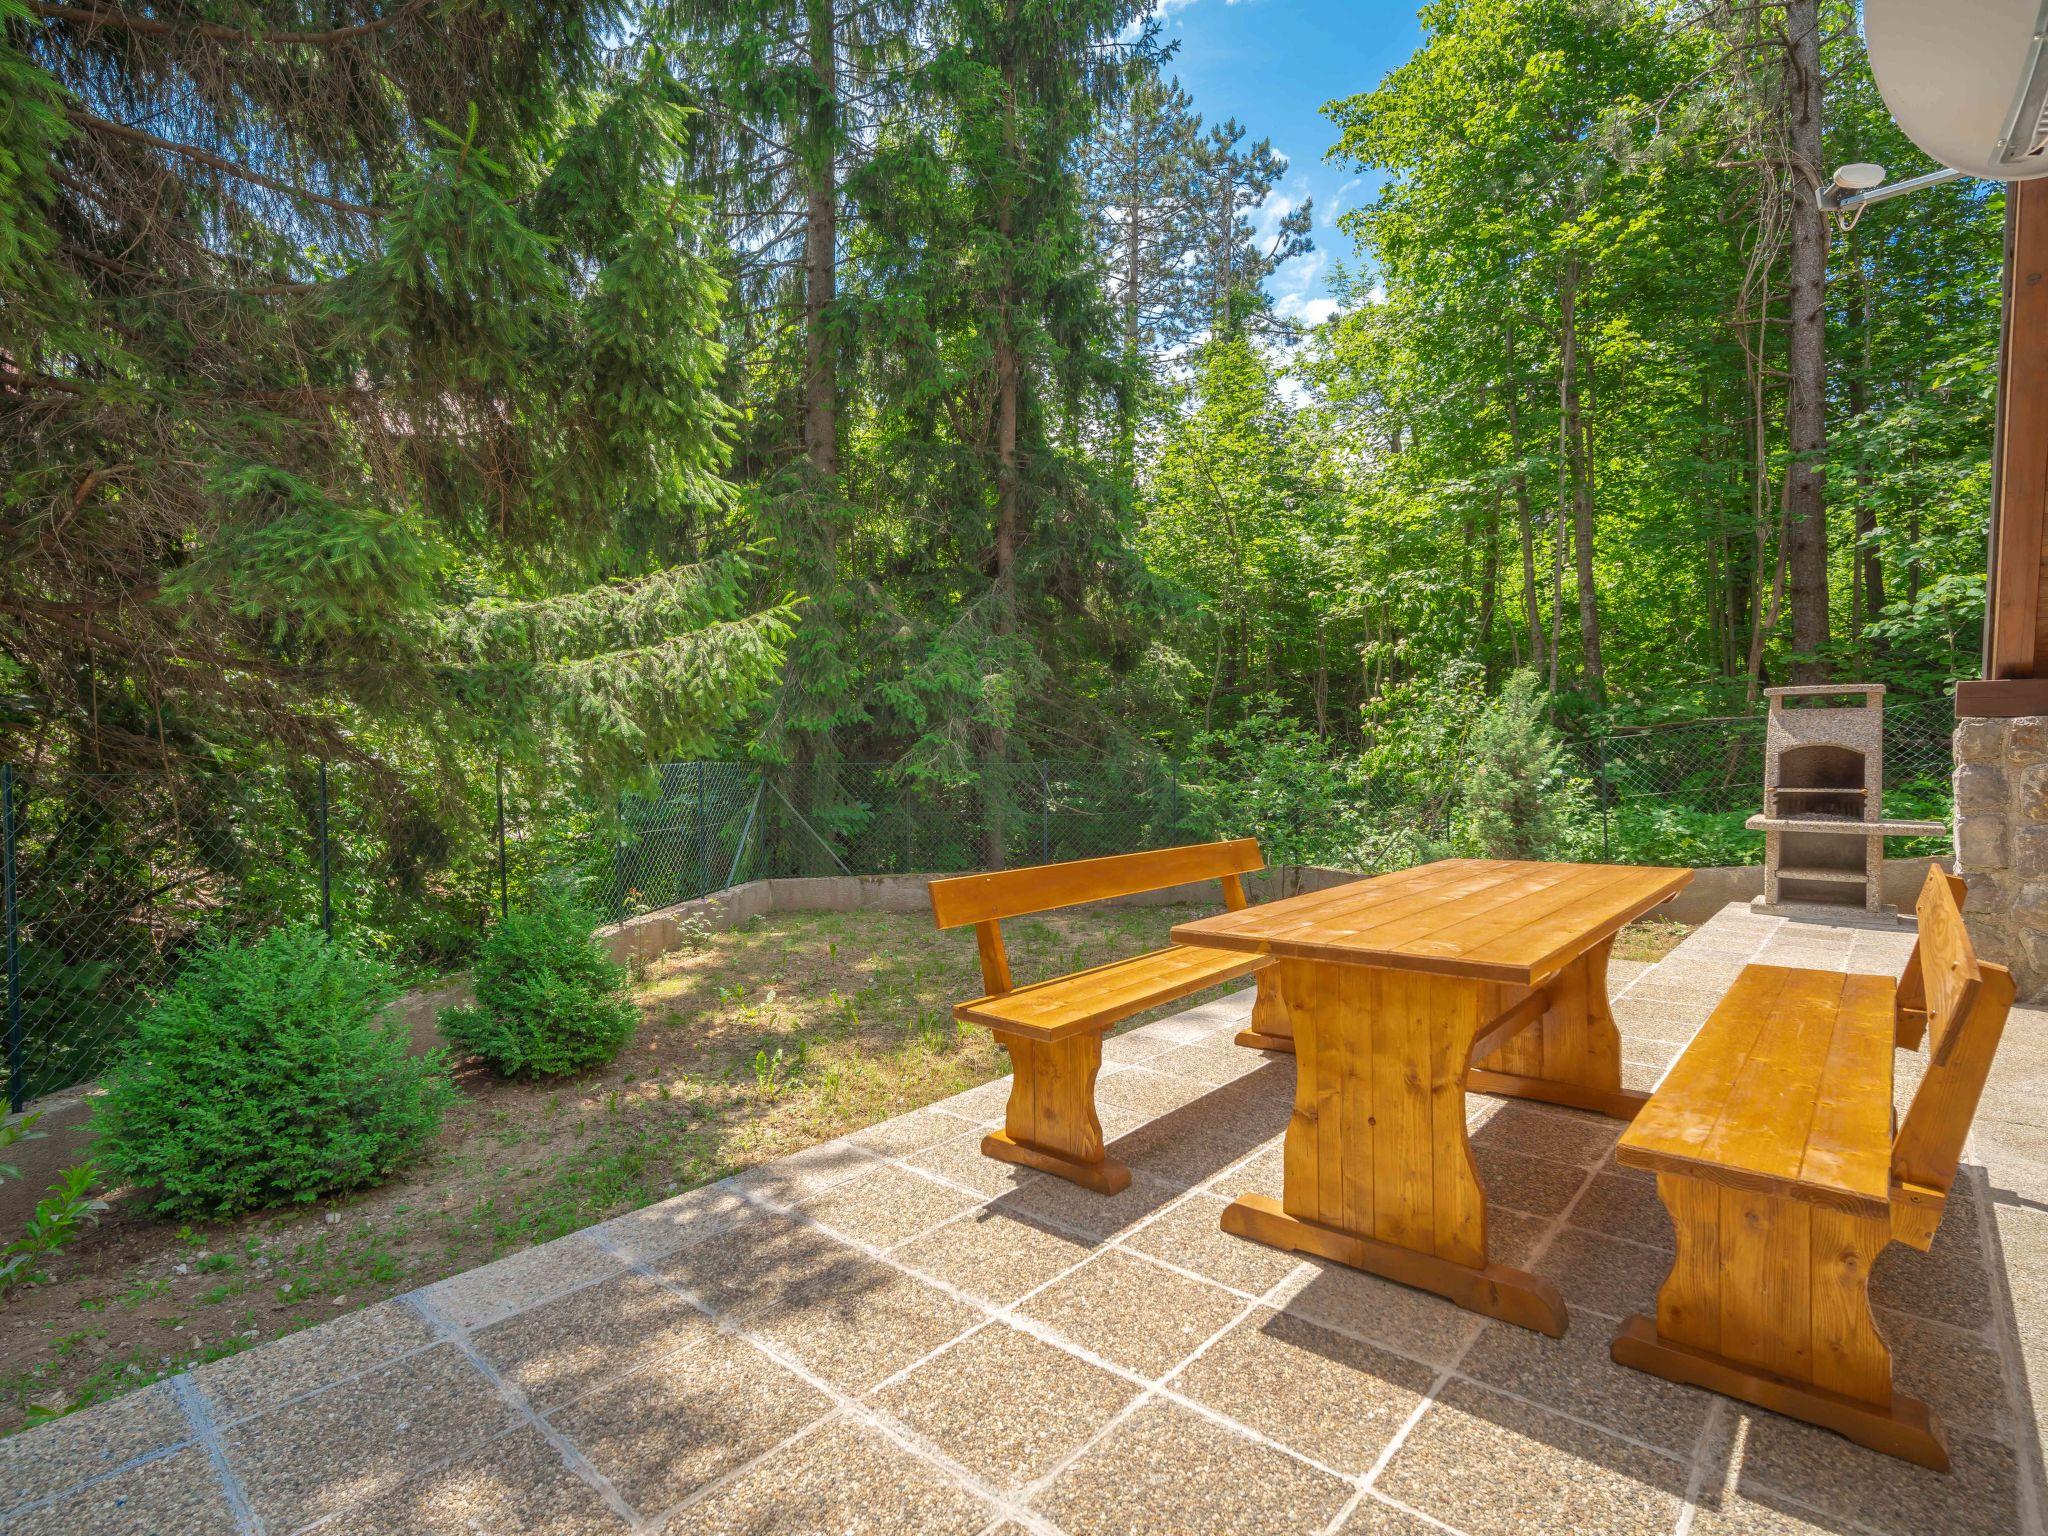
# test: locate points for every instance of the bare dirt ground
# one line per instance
(753, 1043)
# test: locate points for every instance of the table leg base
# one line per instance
(1621, 1103)
(1904, 1428)
(1263, 1042)
(1496, 1291)
(1107, 1177)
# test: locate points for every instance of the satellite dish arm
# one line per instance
(1834, 198)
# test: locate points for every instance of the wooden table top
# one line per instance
(1489, 919)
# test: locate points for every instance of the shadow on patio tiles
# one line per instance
(668, 1429)
(1487, 1463)
(1333, 1398)
(517, 1483)
(1006, 1406)
(1168, 1471)
(1767, 1473)
(844, 1478)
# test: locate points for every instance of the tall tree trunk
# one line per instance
(1574, 457)
(1532, 609)
(1806, 529)
(821, 247)
(1489, 583)
(1009, 491)
(1867, 583)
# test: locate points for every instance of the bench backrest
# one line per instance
(984, 900)
(1966, 1001)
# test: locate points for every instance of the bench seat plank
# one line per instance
(1786, 1090)
(1106, 994)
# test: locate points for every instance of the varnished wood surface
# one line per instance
(1096, 998)
(1947, 973)
(1043, 887)
(1898, 1426)
(1050, 1121)
(1968, 1002)
(1775, 1156)
(1377, 1168)
(2017, 617)
(1053, 1029)
(1492, 1290)
(1490, 920)
(1787, 1088)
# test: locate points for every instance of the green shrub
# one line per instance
(549, 1000)
(1517, 799)
(269, 1073)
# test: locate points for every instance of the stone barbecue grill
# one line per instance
(1823, 819)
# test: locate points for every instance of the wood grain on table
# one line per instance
(1488, 919)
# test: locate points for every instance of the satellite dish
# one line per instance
(1966, 79)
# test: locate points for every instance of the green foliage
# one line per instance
(59, 1219)
(1517, 799)
(12, 1134)
(550, 1000)
(270, 1073)
(1672, 832)
(1268, 778)
(361, 373)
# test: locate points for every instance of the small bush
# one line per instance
(1517, 799)
(549, 1000)
(269, 1074)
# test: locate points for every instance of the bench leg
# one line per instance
(1768, 1301)
(1270, 1029)
(1050, 1123)
(1572, 1054)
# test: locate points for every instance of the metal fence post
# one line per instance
(326, 861)
(1044, 816)
(504, 886)
(17, 1071)
(1601, 788)
(747, 831)
(703, 836)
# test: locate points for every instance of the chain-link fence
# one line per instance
(111, 882)
(1679, 794)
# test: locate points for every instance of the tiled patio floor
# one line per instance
(894, 1334)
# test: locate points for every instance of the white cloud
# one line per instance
(1336, 201)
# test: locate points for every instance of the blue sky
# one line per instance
(1272, 64)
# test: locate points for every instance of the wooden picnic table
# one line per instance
(1401, 992)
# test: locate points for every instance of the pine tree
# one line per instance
(988, 347)
(793, 90)
(326, 336)
(1236, 181)
(1143, 177)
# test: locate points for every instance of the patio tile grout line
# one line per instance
(844, 1403)
(756, 1200)
(1701, 1464)
(572, 1455)
(207, 1436)
(56, 1496)
(1451, 1370)
(1007, 1314)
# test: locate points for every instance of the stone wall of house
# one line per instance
(2002, 842)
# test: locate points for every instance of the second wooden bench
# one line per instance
(1773, 1146)
(1053, 1029)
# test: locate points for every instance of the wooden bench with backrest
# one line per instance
(1053, 1029)
(1772, 1138)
